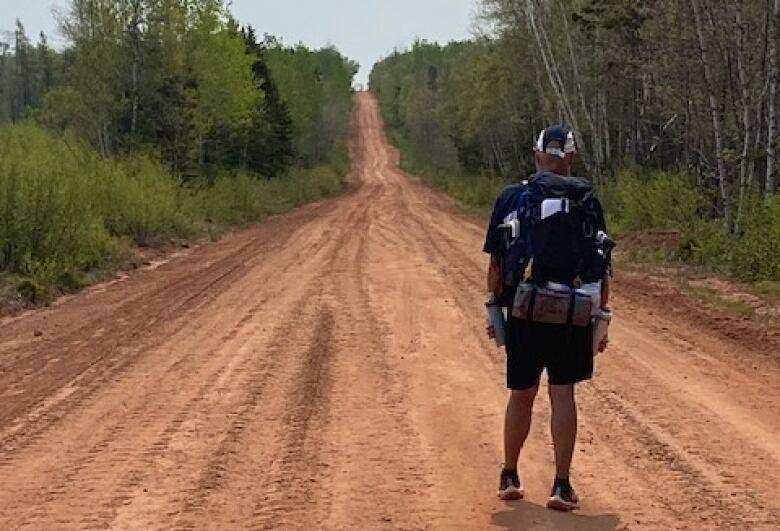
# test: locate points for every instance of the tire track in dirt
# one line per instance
(284, 438)
(291, 484)
(121, 440)
(128, 338)
(305, 378)
(192, 509)
(683, 484)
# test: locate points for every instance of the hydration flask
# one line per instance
(497, 319)
(601, 320)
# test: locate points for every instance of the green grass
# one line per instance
(67, 214)
(768, 288)
(711, 296)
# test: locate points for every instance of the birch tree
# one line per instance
(774, 29)
(717, 125)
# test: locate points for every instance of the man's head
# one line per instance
(554, 150)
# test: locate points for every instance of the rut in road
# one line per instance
(329, 370)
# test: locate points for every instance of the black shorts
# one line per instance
(533, 347)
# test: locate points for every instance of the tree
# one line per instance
(180, 78)
(316, 88)
(271, 153)
(717, 121)
(225, 91)
(774, 66)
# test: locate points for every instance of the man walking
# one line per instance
(551, 223)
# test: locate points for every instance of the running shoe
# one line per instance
(563, 497)
(509, 486)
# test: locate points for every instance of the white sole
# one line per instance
(556, 503)
(511, 494)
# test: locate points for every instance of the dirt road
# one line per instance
(328, 370)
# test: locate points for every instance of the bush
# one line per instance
(707, 243)
(752, 255)
(64, 210)
(755, 255)
(143, 201)
(50, 222)
(671, 201)
(658, 200)
(243, 198)
(473, 190)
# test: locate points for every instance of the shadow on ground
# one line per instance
(526, 516)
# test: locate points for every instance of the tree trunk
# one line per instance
(717, 125)
(602, 96)
(595, 139)
(745, 102)
(769, 185)
(758, 137)
(540, 89)
(136, 44)
(760, 105)
(5, 112)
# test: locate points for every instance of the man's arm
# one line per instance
(605, 282)
(495, 247)
(495, 278)
(601, 225)
(495, 285)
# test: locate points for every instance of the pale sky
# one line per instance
(364, 30)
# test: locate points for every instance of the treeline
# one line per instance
(682, 90)
(167, 119)
(183, 78)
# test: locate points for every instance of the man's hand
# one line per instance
(495, 280)
(604, 344)
(491, 331)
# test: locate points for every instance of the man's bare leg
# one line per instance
(517, 424)
(563, 427)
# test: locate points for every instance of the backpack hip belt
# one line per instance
(552, 303)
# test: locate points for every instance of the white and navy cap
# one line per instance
(556, 140)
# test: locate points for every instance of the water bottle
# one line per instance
(601, 321)
(497, 319)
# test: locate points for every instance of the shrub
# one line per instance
(143, 201)
(244, 198)
(65, 210)
(755, 255)
(476, 191)
(658, 200)
(49, 220)
(670, 201)
(706, 243)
